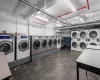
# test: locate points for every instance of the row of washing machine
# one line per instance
(20, 49)
(81, 38)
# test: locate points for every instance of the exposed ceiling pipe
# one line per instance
(87, 6)
(30, 4)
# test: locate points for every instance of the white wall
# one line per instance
(13, 25)
(7, 23)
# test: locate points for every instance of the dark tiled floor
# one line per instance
(57, 66)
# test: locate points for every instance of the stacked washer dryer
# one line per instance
(22, 49)
(44, 43)
(83, 39)
(58, 42)
(7, 45)
(74, 40)
(35, 45)
(94, 37)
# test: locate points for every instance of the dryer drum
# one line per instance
(55, 42)
(50, 43)
(44, 43)
(62, 41)
(23, 45)
(36, 44)
(6, 47)
(83, 34)
(93, 44)
(82, 45)
(74, 45)
(74, 35)
(58, 41)
(93, 34)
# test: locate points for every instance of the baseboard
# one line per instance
(38, 56)
(19, 62)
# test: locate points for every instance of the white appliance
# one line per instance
(7, 45)
(54, 42)
(50, 43)
(75, 35)
(74, 45)
(82, 39)
(94, 37)
(58, 42)
(22, 46)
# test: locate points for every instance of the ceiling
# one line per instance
(87, 10)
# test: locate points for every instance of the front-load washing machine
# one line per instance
(44, 43)
(22, 48)
(36, 45)
(54, 42)
(74, 45)
(58, 42)
(94, 36)
(7, 45)
(50, 43)
(74, 35)
(82, 45)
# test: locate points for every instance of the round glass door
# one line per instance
(82, 45)
(50, 43)
(44, 43)
(36, 44)
(83, 34)
(55, 42)
(23, 45)
(62, 41)
(74, 35)
(93, 34)
(6, 47)
(74, 44)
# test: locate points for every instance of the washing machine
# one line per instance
(54, 42)
(82, 39)
(82, 45)
(22, 47)
(58, 42)
(7, 45)
(74, 45)
(50, 43)
(44, 43)
(94, 37)
(36, 45)
(74, 35)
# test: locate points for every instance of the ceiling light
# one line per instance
(39, 17)
(70, 5)
(81, 20)
(58, 24)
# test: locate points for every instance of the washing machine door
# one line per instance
(93, 34)
(55, 42)
(82, 34)
(58, 41)
(50, 43)
(74, 45)
(74, 34)
(44, 43)
(82, 45)
(6, 47)
(36, 44)
(62, 41)
(23, 45)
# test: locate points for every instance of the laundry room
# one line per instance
(49, 39)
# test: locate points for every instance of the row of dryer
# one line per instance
(21, 46)
(81, 38)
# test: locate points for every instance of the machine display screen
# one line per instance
(23, 36)
(4, 37)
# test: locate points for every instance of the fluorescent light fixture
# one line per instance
(81, 19)
(58, 24)
(70, 5)
(39, 17)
